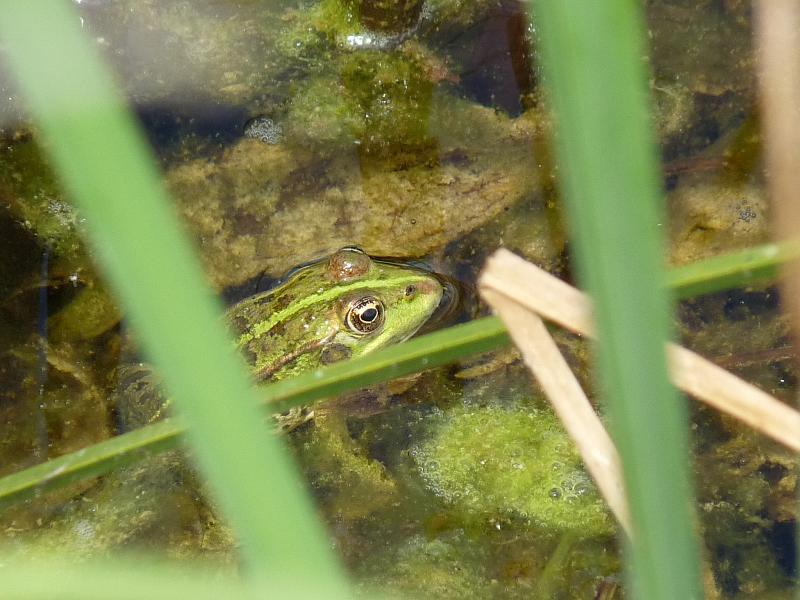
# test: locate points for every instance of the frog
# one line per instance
(343, 306)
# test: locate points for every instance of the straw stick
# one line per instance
(559, 302)
(568, 399)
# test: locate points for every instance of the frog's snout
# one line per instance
(429, 287)
(447, 294)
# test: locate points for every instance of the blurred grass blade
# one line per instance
(133, 578)
(731, 270)
(426, 352)
(591, 53)
(103, 162)
(136, 577)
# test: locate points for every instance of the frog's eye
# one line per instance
(364, 315)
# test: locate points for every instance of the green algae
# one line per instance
(91, 313)
(462, 13)
(389, 15)
(322, 116)
(493, 564)
(349, 484)
(380, 101)
(393, 94)
(438, 568)
(491, 461)
(747, 495)
(308, 42)
(30, 191)
(377, 97)
(153, 506)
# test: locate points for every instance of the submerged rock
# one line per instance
(712, 216)
(266, 208)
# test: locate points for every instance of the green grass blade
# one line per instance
(104, 164)
(730, 270)
(425, 352)
(133, 578)
(94, 460)
(421, 353)
(593, 68)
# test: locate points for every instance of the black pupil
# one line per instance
(369, 315)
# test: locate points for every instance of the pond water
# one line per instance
(417, 130)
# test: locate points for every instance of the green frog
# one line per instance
(343, 306)
(346, 305)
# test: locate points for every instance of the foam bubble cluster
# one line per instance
(498, 462)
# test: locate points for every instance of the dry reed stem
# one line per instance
(544, 359)
(559, 302)
(778, 48)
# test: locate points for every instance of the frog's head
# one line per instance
(379, 303)
(344, 306)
